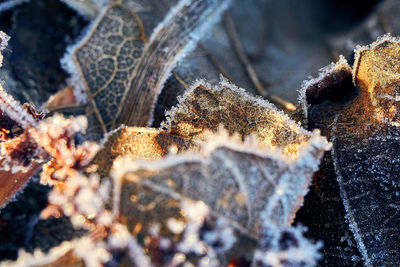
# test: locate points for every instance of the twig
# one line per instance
(233, 35)
(333, 53)
(179, 79)
(385, 24)
(70, 108)
(215, 61)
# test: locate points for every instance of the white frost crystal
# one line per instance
(286, 246)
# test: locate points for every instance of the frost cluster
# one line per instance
(284, 247)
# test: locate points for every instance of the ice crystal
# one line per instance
(38, 140)
(3, 43)
(60, 138)
(83, 199)
(284, 247)
(69, 253)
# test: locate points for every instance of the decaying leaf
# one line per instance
(138, 142)
(103, 62)
(365, 138)
(122, 76)
(204, 107)
(222, 169)
(363, 127)
(172, 39)
(332, 84)
(27, 142)
(21, 157)
(244, 182)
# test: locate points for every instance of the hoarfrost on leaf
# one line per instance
(244, 182)
(365, 140)
(138, 142)
(206, 107)
(4, 38)
(114, 68)
(364, 129)
(285, 246)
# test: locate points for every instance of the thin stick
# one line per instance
(179, 79)
(215, 61)
(333, 53)
(385, 24)
(234, 37)
(69, 108)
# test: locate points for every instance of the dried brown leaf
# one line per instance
(204, 107)
(245, 182)
(122, 77)
(137, 142)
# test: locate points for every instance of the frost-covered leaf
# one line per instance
(261, 181)
(366, 137)
(332, 84)
(205, 107)
(27, 142)
(114, 68)
(21, 157)
(138, 142)
(244, 182)
(322, 98)
(202, 108)
(364, 129)
(103, 62)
